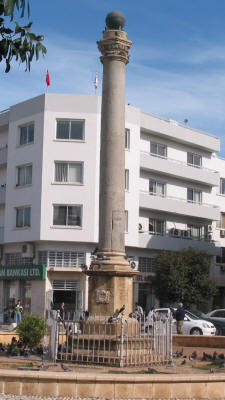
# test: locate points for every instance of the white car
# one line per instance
(192, 324)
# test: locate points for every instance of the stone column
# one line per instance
(111, 282)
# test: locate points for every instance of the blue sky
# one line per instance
(177, 60)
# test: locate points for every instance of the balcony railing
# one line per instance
(179, 199)
(180, 162)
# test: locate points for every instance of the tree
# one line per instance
(31, 330)
(17, 42)
(183, 276)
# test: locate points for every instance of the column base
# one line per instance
(110, 284)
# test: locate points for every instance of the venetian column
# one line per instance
(111, 278)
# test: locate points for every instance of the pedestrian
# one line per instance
(62, 311)
(138, 310)
(179, 315)
(18, 311)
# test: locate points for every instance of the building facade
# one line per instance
(49, 198)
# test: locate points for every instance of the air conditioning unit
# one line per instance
(175, 232)
(28, 250)
(209, 228)
(186, 234)
(222, 268)
(140, 228)
(134, 265)
(222, 233)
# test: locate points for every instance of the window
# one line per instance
(221, 223)
(67, 215)
(22, 217)
(17, 259)
(127, 138)
(69, 172)
(26, 134)
(126, 179)
(196, 231)
(126, 221)
(218, 314)
(194, 196)
(157, 188)
(222, 185)
(145, 264)
(61, 258)
(156, 226)
(24, 176)
(158, 149)
(194, 159)
(70, 129)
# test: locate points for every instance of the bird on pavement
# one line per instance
(65, 368)
(194, 355)
(183, 362)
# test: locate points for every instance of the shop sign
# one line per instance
(19, 272)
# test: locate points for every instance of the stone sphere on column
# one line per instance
(115, 20)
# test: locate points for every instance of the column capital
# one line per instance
(114, 46)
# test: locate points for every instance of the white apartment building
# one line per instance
(49, 196)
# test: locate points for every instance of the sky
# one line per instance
(177, 59)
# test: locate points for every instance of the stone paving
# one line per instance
(19, 397)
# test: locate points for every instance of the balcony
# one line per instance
(179, 169)
(168, 242)
(178, 206)
(3, 155)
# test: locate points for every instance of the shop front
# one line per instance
(26, 283)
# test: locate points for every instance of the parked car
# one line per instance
(219, 322)
(218, 314)
(193, 325)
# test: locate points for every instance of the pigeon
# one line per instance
(171, 364)
(152, 371)
(191, 358)
(183, 362)
(207, 357)
(179, 353)
(214, 357)
(194, 355)
(65, 368)
(221, 356)
(122, 309)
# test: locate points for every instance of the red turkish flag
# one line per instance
(47, 79)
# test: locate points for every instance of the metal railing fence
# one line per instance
(100, 339)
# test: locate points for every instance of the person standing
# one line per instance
(179, 315)
(18, 311)
(62, 311)
(138, 311)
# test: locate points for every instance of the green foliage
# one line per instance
(17, 42)
(31, 330)
(183, 276)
